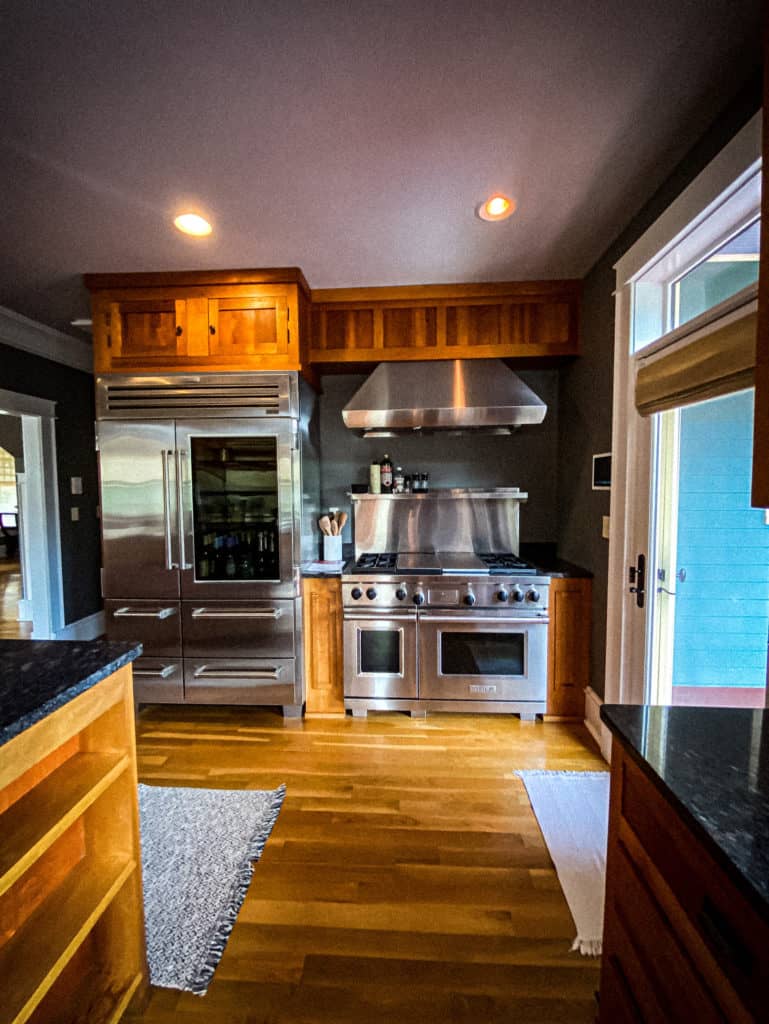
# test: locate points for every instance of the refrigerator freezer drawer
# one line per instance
(232, 629)
(157, 624)
(240, 681)
(158, 681)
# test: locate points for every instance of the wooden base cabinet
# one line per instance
(681, 943)
(322, 625)
(71, 915)
(568, 659)
(205, 321)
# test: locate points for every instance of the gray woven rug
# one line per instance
(198, 846)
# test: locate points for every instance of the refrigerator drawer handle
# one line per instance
(130, 613)
(164, 672)
(204, 672)
(236, 613)
(179, 456)
(170, 564)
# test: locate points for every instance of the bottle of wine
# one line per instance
(386, 470)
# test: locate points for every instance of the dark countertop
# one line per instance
(712, 765)
(40, 676)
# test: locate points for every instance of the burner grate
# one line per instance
(377, 561)
(499, 564)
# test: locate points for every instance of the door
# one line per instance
(239, 531)
(140, 541)
(380, 656)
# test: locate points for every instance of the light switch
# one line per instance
(75, 514)
(76, 484)
(605, 523)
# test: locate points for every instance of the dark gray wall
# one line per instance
(11, 439)
(527, 459)
(72, 391)
(586, 385)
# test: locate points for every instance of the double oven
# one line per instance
(445, 642)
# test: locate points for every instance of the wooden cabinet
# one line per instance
(568, 657)
(760, 497)
(212, 320)
(71, 915)
(464, 321)
(322, 624)
(681, 943)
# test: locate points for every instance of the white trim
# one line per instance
(731, 167)
(30, 336)
(89, 628)
(26, 405)
(594, 725)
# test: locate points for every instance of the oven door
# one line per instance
(486, 656)
(380, 655)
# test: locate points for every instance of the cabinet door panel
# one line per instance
(248, 327)
(145, 329)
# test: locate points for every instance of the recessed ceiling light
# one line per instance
(496, 207)
(193, 224)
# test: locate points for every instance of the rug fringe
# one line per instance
(587, 947)
(533, 772)
(199, 983)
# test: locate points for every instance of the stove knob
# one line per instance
(517, 593)
(533, 596)
(371, 593)
(470, 598)
(502, 594)
(356, 593)
(401, 594)
(419, 598)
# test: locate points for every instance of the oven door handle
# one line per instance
(477, 620)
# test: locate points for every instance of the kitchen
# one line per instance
(579, 392)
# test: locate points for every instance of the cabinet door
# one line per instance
(144, 331)
(568, 647)
(322, 623)
(251, 329)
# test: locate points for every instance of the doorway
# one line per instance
(15, 613)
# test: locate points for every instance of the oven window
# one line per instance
(380, 651)
(482, 654)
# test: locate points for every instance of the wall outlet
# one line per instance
(76, 484)
(605, 524)
(75, 514)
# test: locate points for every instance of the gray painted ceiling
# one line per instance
(353, 139)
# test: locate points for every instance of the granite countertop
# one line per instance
(712, 765)
(40, 676)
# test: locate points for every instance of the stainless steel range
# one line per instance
(445, 631)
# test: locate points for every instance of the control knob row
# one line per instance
(356, 594)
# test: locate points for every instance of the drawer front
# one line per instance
(156, 624)
(241, 681)
(253, 629)
(158, 681)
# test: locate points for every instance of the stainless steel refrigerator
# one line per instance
(204, 482)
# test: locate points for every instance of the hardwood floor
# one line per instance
(406, 879)
(10, 595)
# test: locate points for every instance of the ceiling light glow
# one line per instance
(193, 224)
(496, 207)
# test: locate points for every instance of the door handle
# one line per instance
(637, 579)
(170, 564)
(183, 563)
(236, 613)
(163, 672)
(271, 673)
(130, 613)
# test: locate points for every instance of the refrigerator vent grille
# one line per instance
(209, 397)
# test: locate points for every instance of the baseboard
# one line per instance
(594, 725)
(24, 612)
(89, 628)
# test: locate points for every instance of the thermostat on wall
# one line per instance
(602, 472)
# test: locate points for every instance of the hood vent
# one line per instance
(454, 395)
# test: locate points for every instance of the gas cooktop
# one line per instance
(455, 563)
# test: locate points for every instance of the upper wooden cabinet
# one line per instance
(464, 321)
(210, 320)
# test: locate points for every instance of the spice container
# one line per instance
(375, 478)
(399, 481)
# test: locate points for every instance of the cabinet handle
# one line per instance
(271, 673)
(179, 330)
(129, 613)
(236, 613)
(211, 329)
(164, 672)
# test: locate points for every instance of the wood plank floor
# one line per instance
(406, 879)
(10, 595)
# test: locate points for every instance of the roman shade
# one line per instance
(712, 355)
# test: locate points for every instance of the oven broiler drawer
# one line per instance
(240, 681)
(259, 629)
(158, 681)
(156, 624)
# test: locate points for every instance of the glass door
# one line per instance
(237, 509)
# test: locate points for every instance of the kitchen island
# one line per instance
(686, 932)
(71, 916)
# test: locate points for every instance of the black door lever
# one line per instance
(637, 579)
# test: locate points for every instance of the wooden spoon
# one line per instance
(342, 520)
(325, 525)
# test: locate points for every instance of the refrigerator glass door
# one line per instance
(237, 517)
(140, 549)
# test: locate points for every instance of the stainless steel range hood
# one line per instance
(457, 394)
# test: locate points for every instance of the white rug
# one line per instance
(572, 809)
(198, 846)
